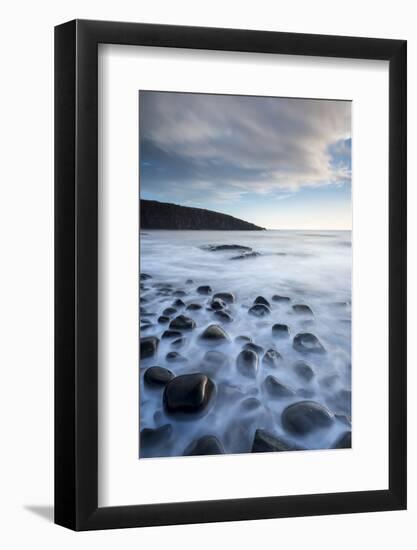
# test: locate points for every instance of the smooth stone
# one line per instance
(242, 339)
(303, 371)
(265, 442)
(276, 389)
(259, 310)
(262, 300)
(148, 346)
(154, 436)
(215, 359)
(305, 342)
(175, 357)
(163, 319)
(278, 298)
(189, 282)
(217, 304)
(250, 404)
(179, 293)
(223, 316)
(306, 416)
(145, 276)
(182, 323)
(302, 309)
(206, 445)
(157, 376)
(204, 289)
(169, 311)
(193, 307)
(218, 247)
(143, 300)
(214, 334)
(145, 327)
(171, 334)
(344, 441)
(247, 363)
(246, 256)
(145, 322)
(271, 358)
(188, 393)
(227, 297)
(178, 303)
(280, 330)
(179, 343)
(253, 347)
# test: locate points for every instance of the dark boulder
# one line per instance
(262, 300)
(179, 293)
(246, 256)
(302, 309)
(204, 289)
(247, 363)
(253, 347)
(220, 247)
(188, 393)
(163, 319)
(189, 282)
(271, 358)
(146, 326)
(306, 416)
(223, 316)
(157, 376)
(242, 339)
(145, 276)
(259, 310)
(250, 404)
(305, 342)
(150, 437)
(169, 311)
(182, 323)
(206, 445)
(303, 371)
(179, 343)
(227, 297)
(178, 303)
(265, 442)
(171, 334)
(344, 441)
(148, 346)
(278, 298)
(214, 334)
(175, 357)
(193, 307)
(276, 389)
(217, 304)
(280, 330)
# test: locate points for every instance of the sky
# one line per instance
(281, 163)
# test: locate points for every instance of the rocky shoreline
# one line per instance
(208, 389)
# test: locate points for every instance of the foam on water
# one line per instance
(312, 268)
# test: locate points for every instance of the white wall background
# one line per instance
(26, 271)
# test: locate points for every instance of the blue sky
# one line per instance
(280, 163)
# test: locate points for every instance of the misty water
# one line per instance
(311, 268)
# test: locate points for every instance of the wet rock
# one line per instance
(148, 346)
(175, 357)
(143, 300)
(276, 389)
(157, 376)
(219, 247)
(145, 276)
(227, 297)
(271, 358)
(182, 323)
(278, 298)
(189, 282)
(242, 339)
(223, 316)
(306, 342)
(206, 445)
(246, 256)
(302, 309)
(344, 441)
(150, 437)
(214, 334)
(305, 417)
(303, 371)
(188, 393)
(178, 303)
(171, 334)
(265, 442)
(145, 322)
(193, 307)
(146, 326)
(250, 404)
(259, 310)
(179, 293)
(262, 300)
(204, 289)
(163, 319)
(215, 360)
(179, 343)
(168, 311)
(247, 363)
(254, 347)
(217, 304)
(280, 330)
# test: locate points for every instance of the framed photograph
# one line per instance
(230, 275)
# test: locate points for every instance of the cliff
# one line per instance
(162, 215)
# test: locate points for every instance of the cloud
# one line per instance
(229, 146)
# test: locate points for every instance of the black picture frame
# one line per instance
(76, 272)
